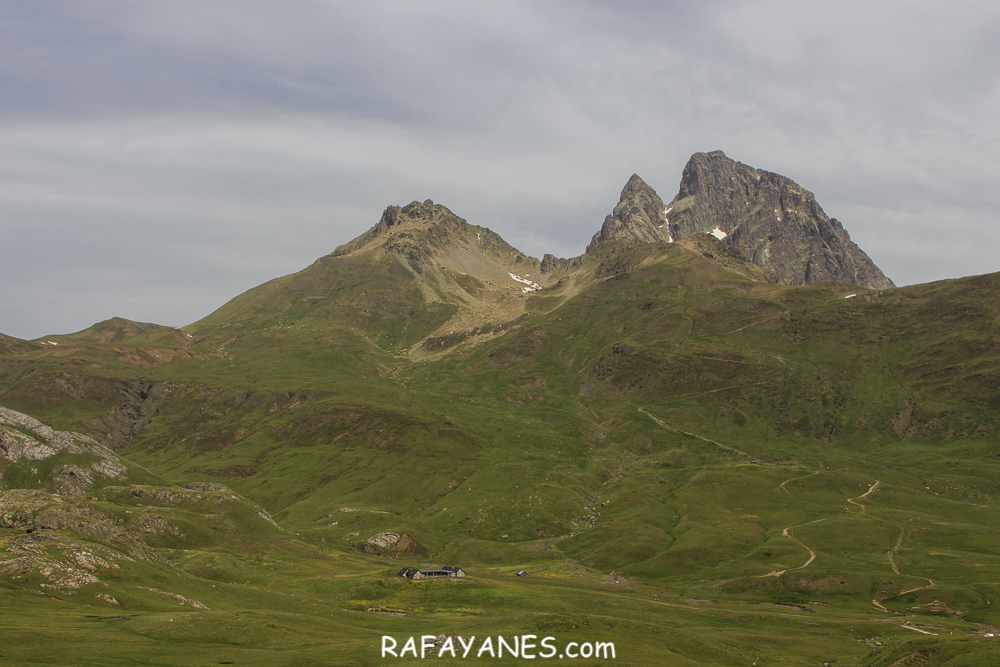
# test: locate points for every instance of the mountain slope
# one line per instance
(666, 436)
(421, 272)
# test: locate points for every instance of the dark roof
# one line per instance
(408, 572)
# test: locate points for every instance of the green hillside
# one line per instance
(691, 460)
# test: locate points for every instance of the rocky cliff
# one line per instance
(773, 221)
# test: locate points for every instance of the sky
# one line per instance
(158, 159)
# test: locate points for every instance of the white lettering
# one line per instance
(449, 645)
(468, 646)
(501, 644)
(388, 649)
(586, 650)
(488, 644)
(549, 643)
(410, 645)
(525, 646)
(605, 646)
(424, 645)
(571, 655)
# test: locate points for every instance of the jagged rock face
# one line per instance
(769, 218)
(772, 220)
(639, 215)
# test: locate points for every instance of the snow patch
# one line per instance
(718, 233)
(531, 287)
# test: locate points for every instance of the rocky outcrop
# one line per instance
(45, 442)
(768, 218)
(418, 230)
(640, 214)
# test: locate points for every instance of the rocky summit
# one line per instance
(770, 219)
(639, 215)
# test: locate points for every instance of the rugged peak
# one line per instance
(426, 212)
(639, 215)
(420, 216)
(425, 232)
(772, 220)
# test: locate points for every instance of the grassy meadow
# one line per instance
(698, 467)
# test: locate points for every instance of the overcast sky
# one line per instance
(157, 159)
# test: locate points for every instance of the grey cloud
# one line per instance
(172, 155)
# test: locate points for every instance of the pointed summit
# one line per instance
(772, 220)
(639, 215)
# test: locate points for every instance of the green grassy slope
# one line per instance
(700, 466)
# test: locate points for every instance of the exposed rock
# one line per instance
(770, 219)
(206, 487)
(64, 562)
(640, 215)
(71, 480)
(109, 469)
(35, 511)
(384, 540)
(15, 446)
(13, 418)
(191, 602)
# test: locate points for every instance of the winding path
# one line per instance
(892, 553)
(812, 554)
(782, 487)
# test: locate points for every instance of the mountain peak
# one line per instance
(639, 215)
(770, 219)
(415, 215)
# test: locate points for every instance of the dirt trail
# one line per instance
(891, 556)
(812, 555)
(787, 532)
(864, 495)
(782, 487)
(693, 435)
(753, 324)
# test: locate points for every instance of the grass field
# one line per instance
(697, 467)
